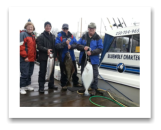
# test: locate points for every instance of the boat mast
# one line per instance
(78, 31)
(100, 26)
(81, 28)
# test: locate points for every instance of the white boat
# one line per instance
(120, 63)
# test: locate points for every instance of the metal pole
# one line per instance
(100, 26)
(81, 28)
(78, 31)
(124, 22)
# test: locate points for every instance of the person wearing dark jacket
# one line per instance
(46, 46)
(90, 40)
(63, 46)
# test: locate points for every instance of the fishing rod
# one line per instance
(124, 22)
(120, 24)
(110, 23)
(115, 23)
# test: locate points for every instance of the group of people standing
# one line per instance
(47, 43)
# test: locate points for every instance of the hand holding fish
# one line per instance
(67, 42)
(88, 53)
(69, 46)
(49, 51)
(86, 48)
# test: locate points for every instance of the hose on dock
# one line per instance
(105, 98)
(112, 99)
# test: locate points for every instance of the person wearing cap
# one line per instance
(27, 56)
(46, 46)
(90, 40)
(63, 45)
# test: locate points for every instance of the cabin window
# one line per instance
(135, 44)
(121, 44)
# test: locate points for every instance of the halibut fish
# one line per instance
(69, 68)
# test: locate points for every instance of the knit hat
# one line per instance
(47, 23)
(65, 26)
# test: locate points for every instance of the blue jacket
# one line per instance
(96, 46)
(61, 46)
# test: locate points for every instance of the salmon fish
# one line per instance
(50, 67)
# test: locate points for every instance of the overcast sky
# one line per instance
(52, 14)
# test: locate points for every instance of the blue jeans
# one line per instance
(26, 69)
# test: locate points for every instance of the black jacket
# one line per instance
(45, 42)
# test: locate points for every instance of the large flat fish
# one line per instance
(50, 67)
(87, 77)
(69, 68)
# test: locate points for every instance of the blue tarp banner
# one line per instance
(107, 42)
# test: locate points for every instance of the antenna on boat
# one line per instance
(110, 23)
(81, 29)
(124, 22)
(115, 23)
(120, 24)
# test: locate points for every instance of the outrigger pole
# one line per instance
(110, 23)
(120, 25)
(124, 22)
(115, 23)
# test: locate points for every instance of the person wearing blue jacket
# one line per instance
(63, 45)
(90, 40)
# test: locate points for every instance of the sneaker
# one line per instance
(29, 88)
(98, 92)
(22, 90)
(89, 89)
(41, 90)
(77, 85)
(81, 91)
(93, 92)
(53, 87)
(64, 87)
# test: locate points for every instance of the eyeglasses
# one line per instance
(65, 28)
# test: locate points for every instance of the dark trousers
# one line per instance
(95, 74)
(26, 69)
(63, 79)
(42, 74)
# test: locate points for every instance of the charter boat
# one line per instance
(119, 68)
